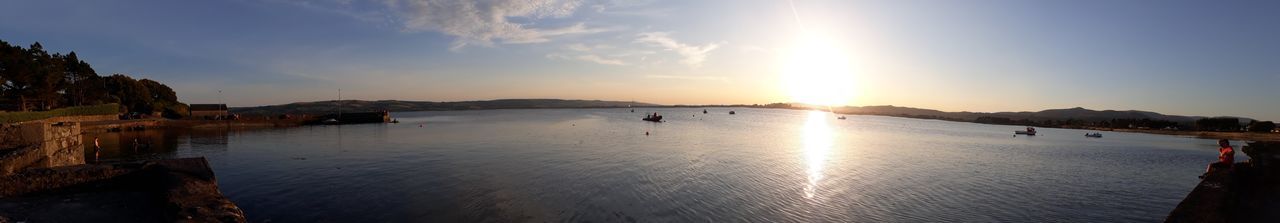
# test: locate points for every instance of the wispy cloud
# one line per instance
(484, 22)
(752, 49)
(693, 55)
(600, 60)
(578, 47)
(588, 58)
(695, 78)
(631, 8)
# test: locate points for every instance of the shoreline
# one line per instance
(143, 124)
(258, 123)
(1247, 136)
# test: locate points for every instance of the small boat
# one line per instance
(395, 121)
(731, 112)
(1030, 131)
(841, 117)
(653, 118)
(330, 121)
(704, 111)
(1093, 135)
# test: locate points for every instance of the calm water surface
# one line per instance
(759, 165)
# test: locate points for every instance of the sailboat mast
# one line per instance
(339, 104)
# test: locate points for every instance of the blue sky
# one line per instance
(1174, 57)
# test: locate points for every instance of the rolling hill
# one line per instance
(326, 107)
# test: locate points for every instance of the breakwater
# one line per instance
(1244, 192)
(353, 118)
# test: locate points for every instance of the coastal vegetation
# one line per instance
(32, 79)
(103, 109)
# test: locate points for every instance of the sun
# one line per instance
(816, 71)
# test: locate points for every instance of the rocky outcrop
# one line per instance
(1245, 192)
(176, 190)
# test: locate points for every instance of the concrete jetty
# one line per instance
(354, 118)
(1245, 192)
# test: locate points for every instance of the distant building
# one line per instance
(208, 111)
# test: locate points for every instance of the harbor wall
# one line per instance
(356, 118)
(40, 144)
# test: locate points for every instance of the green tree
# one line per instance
(129, 93)
(18, 73)
(1256, 126)
(1222, 124)
(54, 80)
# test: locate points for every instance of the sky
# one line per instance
(1208, 58)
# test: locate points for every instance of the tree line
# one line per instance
(32, 79)
(1219, 124)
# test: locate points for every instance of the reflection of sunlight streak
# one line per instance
(817, 145)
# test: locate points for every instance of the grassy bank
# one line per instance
(15, 117)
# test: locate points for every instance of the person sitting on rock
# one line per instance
(1226, 156)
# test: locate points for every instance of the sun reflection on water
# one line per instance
(818, 140)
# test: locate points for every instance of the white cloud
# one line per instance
(693, 55)
(484, 22)
(697, 78)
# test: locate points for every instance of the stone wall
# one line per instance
(40, 144)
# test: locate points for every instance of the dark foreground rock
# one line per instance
(1245, 192)
(176, 190)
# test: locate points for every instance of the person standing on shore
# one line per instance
(1226, 157)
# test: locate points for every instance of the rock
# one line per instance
(1246, 192)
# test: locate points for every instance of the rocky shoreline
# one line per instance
(174, 190)
(1244, 192)
(44, 178)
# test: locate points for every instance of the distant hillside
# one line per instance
(1077, 113)
(1092, 115)
(326, 107)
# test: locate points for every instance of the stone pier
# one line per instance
(44, 178)
(1245, 192)
(40, 145)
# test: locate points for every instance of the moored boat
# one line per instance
(1030, 131)
(652, 117)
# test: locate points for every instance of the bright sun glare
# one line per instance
(816, 71)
